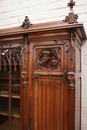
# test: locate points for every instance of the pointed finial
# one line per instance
(26, 23)
(71, 18)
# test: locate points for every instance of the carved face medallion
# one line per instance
(48, 59)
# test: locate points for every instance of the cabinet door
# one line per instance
(10, 87)
(46, 83)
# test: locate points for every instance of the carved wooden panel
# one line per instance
(47, 104)
(48, 58)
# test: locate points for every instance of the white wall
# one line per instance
(13, 12)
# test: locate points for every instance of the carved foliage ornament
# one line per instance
(71, 18)
(24, 73)
(71, 55)
(48, 59)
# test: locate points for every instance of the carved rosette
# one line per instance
(71, 55)
(24, 73)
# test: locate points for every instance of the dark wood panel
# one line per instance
(47, 104)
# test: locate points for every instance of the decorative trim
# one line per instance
(46, 83)
(71, 55)
(26, 23)
(71, 46)
(55, 84)
(24, 73)
(71, 18)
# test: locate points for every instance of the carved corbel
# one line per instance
(71, 60)
(71, 78)
(24, 73)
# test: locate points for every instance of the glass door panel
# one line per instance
(4, 106)
(15, 107)
(4, 122)
(15, 123)
(10, 87)
(15, 98)
(4, 99)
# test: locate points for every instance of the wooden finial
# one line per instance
(26, 23)
(71, 18)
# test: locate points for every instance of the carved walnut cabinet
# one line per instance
(40, 76)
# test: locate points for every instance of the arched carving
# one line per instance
(10, 56)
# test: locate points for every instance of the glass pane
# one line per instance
(15, 82)
(15, 123)
(15, 107)
(4, 81)
(3, 122)
(15, 87)
(4, 106)
(4, 115)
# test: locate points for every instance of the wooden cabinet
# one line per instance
(40, 76)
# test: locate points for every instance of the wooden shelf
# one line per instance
(15, 115)
(16, 85)
(5, 113)
(14, 95)
(15, 112)
(4, 78)
(4, 94)
(16, 78)
(4, 84)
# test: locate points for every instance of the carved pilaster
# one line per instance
(24, 73)
(71, 58)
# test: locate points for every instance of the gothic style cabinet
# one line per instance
(40, 75)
